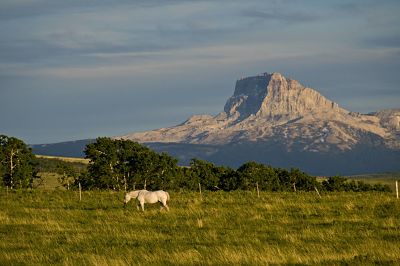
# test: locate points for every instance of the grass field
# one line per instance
(47, 227)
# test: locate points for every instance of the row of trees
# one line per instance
(17, 163)
(127, 165)
(124, 164)
(247, 177)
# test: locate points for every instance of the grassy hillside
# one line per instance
(382, 178)
(64, 159)
(53, 227)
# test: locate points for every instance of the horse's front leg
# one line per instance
(142, 204)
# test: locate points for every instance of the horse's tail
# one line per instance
(167, 195)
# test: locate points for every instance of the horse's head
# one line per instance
(131, 195)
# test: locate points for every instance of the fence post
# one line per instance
(258, 191)
(397, 189)
(200, 189)
(145, 184)
(316, 189)
(80, 192)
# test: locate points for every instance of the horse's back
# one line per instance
(135, 193)
(162, 194)
(148, 196)
(153, 196)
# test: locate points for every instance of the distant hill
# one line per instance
(64, 149)
(359, 160)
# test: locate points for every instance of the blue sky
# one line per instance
(80, 69)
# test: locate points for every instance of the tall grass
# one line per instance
(220, 228)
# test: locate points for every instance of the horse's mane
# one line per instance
(135, 193)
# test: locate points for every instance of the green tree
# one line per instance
(286, 183)
(127, 154)
(203, 172)
(228, 179)
(143, 165)
(166, 172)
(117, 164)
(103, 161)
(17, 163)
(68, 174)
(336, 183)
(250, 174)
(270, 179)
(301, 180)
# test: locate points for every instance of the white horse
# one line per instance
(144, 196)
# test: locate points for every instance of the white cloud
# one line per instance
(173, 61)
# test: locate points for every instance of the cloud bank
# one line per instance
(79, 69)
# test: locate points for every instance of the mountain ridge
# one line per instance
(269, 106)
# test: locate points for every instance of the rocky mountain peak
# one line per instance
(273, 96)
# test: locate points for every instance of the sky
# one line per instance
(78, 69)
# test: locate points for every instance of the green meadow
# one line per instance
(52, 227)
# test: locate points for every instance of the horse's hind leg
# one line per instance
(164, 205)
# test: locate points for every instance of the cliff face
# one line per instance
(271, 107)
(275, 97)
(248, 96)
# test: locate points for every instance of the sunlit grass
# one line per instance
(65, 159)
(53, 227)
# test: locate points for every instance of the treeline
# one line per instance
(338, 183)
(128, 165)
